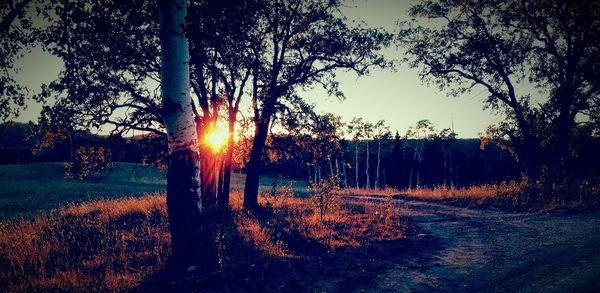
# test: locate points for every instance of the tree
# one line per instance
(111, 76)
(422, 131)
(382, 132)
(110, 51)
(446, 139)
(15, 35)
(356, 128)
(367, 131)
(183, 197)
(301, 43)
(495, 45)
(221, 68)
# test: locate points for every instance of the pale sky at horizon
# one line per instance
(397, 97)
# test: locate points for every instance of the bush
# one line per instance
(323, 195)
(88, 161)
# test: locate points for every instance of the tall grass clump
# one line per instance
(326, 219)
(519, 195)
(105, 245)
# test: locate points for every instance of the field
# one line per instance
(110, 233)
(28, 189)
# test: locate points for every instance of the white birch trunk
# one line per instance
(356, 163)
(367, 186)
(183, 178)
(330, 168)
(337, 171)
(378, 164)
(345, 175)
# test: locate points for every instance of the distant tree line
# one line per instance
(456, 163)
(423, 157)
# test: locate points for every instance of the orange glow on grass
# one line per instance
(216, 138)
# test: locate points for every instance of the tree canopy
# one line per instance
(496, 47)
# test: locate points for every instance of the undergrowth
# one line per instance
(512, 195)
(116, 245)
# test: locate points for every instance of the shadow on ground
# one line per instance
(306, 264)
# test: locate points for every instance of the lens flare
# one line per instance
(217, 138)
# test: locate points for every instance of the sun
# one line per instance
(217, 137)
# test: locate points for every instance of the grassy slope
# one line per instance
(29, 189)
(26, 190)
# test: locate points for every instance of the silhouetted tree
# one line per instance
(301, 44)
(495, 45)
(111, 76)
(382, 133)
(356, 127)
(15, 35)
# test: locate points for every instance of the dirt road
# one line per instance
(461, 249)
(454, 249)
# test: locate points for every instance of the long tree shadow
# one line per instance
(264, 250)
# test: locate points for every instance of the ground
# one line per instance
(461, 249)
(452, 249)
(446, 247)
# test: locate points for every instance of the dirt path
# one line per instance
(455, 249)
(469, 250)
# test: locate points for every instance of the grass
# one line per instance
(29, 189)
(103, 245)
(110, 231)
(119, 244)
(26, 190)
(505, 195)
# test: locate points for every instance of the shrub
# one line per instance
(323, 195)
(88, 161)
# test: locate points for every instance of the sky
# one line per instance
(398, 97)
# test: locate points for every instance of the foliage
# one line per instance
(495, 47)
(111, 54)
(88, 161)
(323, 196)
(16, 36)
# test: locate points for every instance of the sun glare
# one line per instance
(217, 138)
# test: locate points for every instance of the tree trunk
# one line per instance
(445, 171)
(220, 172)
(356, 163)
(255, 162)
(209, 169)
(183, 197)
(318, 173)
(71, 148)
(367, 185)
(378, 164)
(563, 144)
(345, 176)
(337, 171)
(531, 161)
(223, 200)
(450, 169)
